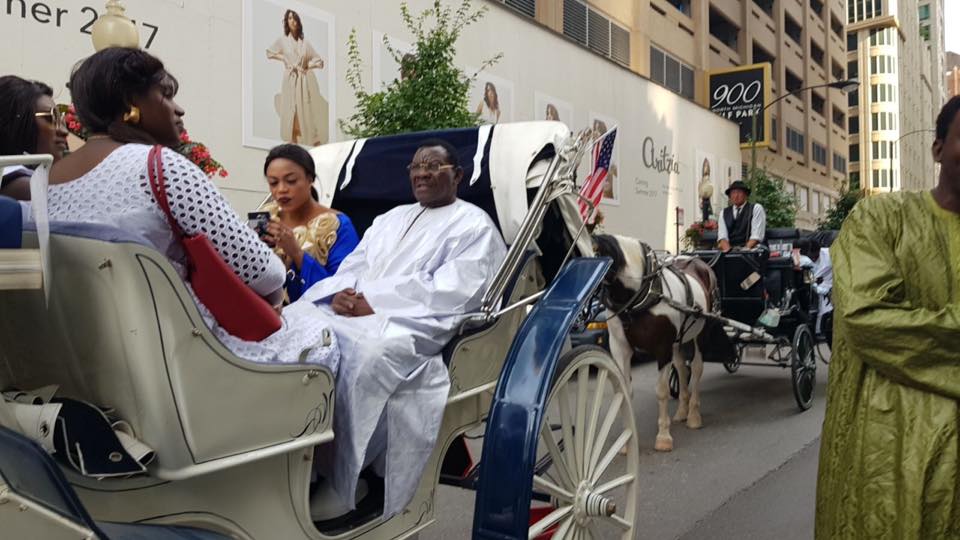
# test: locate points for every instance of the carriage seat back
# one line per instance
(474, 357)
(122, 331)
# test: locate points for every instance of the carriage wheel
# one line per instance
(803, 367)
(733, 365)
(674, 381)
(593, 489)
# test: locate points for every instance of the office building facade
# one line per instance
(896, 50)
(677, 42)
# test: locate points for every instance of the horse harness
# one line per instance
(650, 293)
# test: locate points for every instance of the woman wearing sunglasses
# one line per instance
(32, 124)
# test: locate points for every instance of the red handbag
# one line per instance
(235, 306)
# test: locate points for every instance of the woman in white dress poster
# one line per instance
(302, 109)
(489, 108)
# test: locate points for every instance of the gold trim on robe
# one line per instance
(316, 238)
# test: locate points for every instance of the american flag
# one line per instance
(592, 188)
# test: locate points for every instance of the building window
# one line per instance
(671, 73)
(883, 93)
(858, 10)
(722, 29)
(816, 6)
(883, 121)
(761, 55)
(853, 99)
(815, 202)
(683, 6)
(839, 163)
(924, 12)
(819, 153)
(765, 5)
(855, 181)
(925, 32)
(853, 70)
(816, 53)
(773, 128)
(817, 103)
(854, 153)
(882, 64)
(793, 29)
(851, 41)
(836, 26)
(526, 7)
(880, 178)
(796, 141)
(838, 117)
(794, 83)
(853, 125)
(803, 198)
(836, 70)
(592, 29)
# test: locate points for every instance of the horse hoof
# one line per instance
(694, 422)
(663, 444)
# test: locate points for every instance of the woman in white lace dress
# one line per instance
(304, 112)
(124, 97)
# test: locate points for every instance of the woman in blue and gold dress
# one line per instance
(310, 238)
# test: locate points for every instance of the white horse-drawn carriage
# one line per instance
(114, 326)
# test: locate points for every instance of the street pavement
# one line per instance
(750, 472)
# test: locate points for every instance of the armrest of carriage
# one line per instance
(474, 356)
(122, 331)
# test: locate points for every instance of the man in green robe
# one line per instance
(890, 448)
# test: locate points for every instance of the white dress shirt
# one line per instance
(758, 225)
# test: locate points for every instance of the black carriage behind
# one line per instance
(767, 299)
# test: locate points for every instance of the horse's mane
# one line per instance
(608, 246)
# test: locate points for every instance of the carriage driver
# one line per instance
(742, 224)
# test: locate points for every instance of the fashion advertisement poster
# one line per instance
(386, 67)
(288, 74)
(491, 97)
(599, 124)
(547, 107)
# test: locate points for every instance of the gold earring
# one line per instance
(132, 117)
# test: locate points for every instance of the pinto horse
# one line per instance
(644, 295)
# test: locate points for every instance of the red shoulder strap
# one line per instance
(158, 186)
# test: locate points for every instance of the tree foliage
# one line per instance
(767, 190)
(432, 92)
(845, 202)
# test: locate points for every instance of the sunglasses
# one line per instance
(57, 115)
(432, 167)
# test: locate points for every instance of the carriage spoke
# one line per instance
(548, 521)
(557, 456)
(620, 522)
(573, 466)
(549, 487)
(564, 528)
(583, 383)
(605, 430)
(615, 483)
(601, 468)
(594, 418)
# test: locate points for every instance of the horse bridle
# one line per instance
(635, 303)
